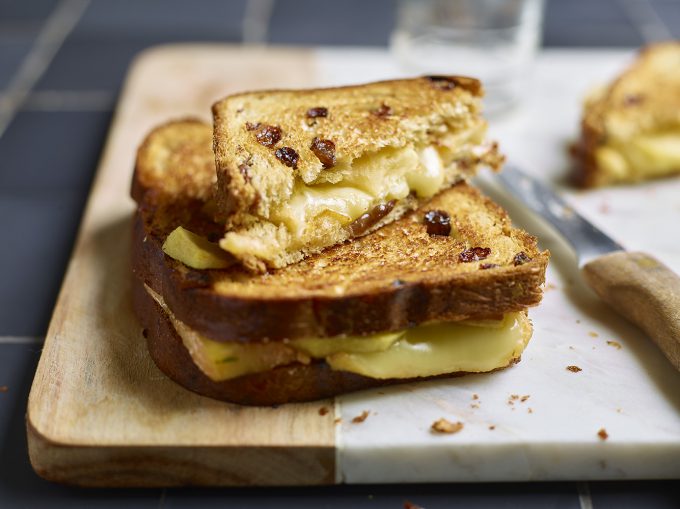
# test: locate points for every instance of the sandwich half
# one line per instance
(301, 170)
(630, 130)
(442, 291)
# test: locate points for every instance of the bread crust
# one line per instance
(284, 384)
(301, 301)
(254, 182)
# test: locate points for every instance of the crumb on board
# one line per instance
(593, 334)
(618, 410)
(474, 405)
(530, 410)
(492, 427)
(602, 433)
(445, 426)
(574, 369)
(361, 417)
(323, 410)
(615, 344)
(571, 348)
(524, 398)
(578, 321)
(475, 396)
(337, 420)
(4, 388)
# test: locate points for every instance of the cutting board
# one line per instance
(101, 414)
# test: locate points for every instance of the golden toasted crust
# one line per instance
(396, 277)
(391, 279)
(644, 99)
(284, 384)
(175, 159)
(359, 120)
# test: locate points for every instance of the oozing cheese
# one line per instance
(388, 174)
(643, 156)
(418, 352)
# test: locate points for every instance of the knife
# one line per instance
(635, 284)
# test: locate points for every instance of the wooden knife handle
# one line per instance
(643, 290)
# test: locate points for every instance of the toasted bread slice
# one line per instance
(391, 280)
(301, 170)
(630, 130)
(396, 277)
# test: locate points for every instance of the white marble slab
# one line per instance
(631, 391)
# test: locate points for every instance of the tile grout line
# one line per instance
(21, 340)
(584, 499)
(55, 30)
(255, 26)
(646, 20)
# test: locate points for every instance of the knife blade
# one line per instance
(635, 284)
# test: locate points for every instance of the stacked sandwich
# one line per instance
(312, 243)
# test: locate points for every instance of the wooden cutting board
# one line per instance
(100, 413)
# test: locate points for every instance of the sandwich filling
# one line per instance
(643, 156)
(355, 196)
(426, 350)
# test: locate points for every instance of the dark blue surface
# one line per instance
(13, 49)
(47, 162)
(351, 22)
(47, 159)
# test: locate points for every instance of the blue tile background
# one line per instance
(47, 159)
(351, 22)
(14, 46)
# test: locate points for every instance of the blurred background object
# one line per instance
(493, 40)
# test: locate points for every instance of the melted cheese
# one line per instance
(194, 251)
(388, 174)
(422, 351)
(648, 155)
(441, 348)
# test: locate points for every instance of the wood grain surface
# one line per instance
(100, 413)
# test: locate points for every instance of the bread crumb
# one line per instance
(475, 396)
(4, 388)
(530, 410)
(361, 417)
(492, 427)
(337, 420)
(444, 426)
(574, 369)
(602, 433)
(618, 410)
(593, 334)
(524, 398)
(615, 344)
(571, 348)
(323, 410)
(473, 405)
(578, 321)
